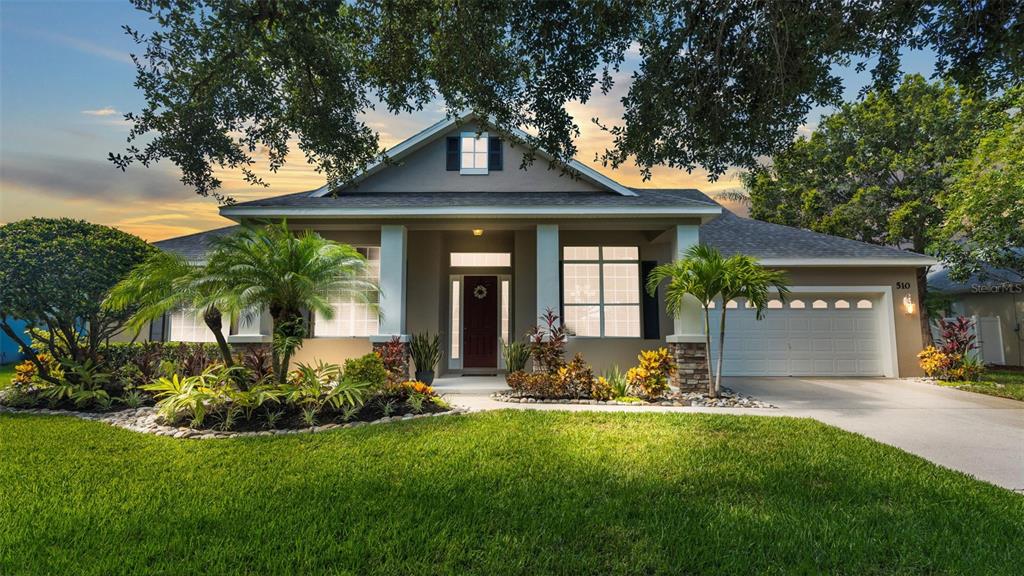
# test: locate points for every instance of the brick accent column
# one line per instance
(691, 370)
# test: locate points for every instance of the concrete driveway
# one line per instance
(977, 434)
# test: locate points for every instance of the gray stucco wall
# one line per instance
(424, 171)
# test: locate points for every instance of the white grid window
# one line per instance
(187, 325)
(473, 153)
(602, 298)
(353, 316)
(481, 259)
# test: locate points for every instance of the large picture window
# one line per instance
(601, 290)
(353, 316)
(187, 325)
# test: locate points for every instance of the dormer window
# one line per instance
(472, 154)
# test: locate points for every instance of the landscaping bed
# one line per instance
(727, 398)
(1001, 383)
(511, 492)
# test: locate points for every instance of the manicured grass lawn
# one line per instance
(1003, 383)
(510, 492)
(6, 372)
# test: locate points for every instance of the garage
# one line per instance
(810, 334)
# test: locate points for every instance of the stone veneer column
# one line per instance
(686, 343)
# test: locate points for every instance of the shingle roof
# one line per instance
(732, 234)
(994, 279)
(660, 197)
(193, 246)
(729, 233)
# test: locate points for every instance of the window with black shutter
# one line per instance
(452, 154)
(494, 154)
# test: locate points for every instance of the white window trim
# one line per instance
(349, 336)
(601, 261)
(456, 363)
(482, 138)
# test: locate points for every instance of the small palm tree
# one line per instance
(700, 274)
(271, 267)
(165, 282)
(706, 275)
(745, 278)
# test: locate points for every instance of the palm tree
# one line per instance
(165, 282)
(701, 274)
(271, 267)
(707, 276)
(745, 278)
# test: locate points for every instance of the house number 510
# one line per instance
(903, 285)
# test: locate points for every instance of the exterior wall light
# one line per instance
(478, 231)
(908, 304)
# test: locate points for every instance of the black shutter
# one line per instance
(649, 304)
(452, 154)
(494, 154)
(158, 329)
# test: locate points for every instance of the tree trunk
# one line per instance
(213, 319)
(922, 293)
(42, 370)
(712, 392)
(721, 351)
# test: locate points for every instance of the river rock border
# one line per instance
(726, 399)
(145, 421)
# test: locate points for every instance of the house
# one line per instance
(467, 244)
(994, 298)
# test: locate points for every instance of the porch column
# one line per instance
(392, 280)
(687, 339)
(548, 285)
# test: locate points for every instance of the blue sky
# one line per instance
(66, 79)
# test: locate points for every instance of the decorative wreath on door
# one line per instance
(480, 292)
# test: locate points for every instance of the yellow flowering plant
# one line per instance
(650, 377)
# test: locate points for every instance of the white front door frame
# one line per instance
(456, 363)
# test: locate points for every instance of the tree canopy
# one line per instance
(984, 204)
(718, 83)
(54, 275)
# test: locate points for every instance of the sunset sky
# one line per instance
(66, 80)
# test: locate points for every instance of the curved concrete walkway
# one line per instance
(973, 433)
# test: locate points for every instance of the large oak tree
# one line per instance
(718, 82)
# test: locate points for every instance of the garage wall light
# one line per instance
(908, 304)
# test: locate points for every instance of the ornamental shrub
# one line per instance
(547, 344)
(575, 379)
(650, 377)
(368, 369)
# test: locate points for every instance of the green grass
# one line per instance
(1003, 383)
(509, 492)
(6, 373)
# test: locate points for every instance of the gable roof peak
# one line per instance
(439, 128)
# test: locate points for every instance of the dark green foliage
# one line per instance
(515, 354)
(718, 83)
(367, 369)
(425, 350)
(54, 274)
(498, 493)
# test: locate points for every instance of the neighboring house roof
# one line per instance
(194, 246)
(778, 245)
(438, 129)
(991, 280)
(434, 204)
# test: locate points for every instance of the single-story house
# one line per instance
(994, 298)
(467, 244)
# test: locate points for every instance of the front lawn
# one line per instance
(1003, 383)
(509, 492)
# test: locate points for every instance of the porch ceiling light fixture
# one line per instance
(908, 304)
(478, 231)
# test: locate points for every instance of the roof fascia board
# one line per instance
(428, 134)
(466, 211)
(910, 260)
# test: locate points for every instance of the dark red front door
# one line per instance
(480, 316)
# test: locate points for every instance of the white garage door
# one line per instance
(809, 335)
